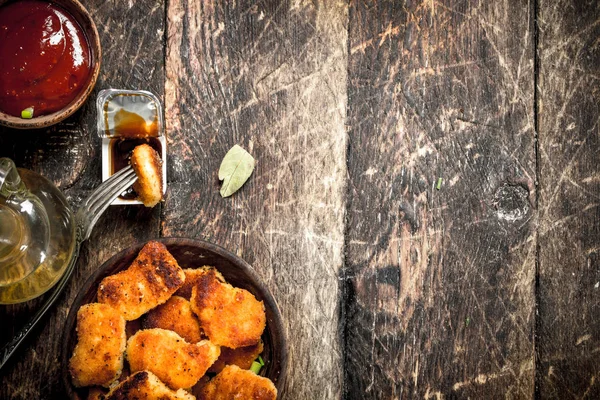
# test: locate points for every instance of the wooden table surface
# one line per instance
(389, 287)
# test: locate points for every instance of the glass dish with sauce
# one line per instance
(126, 119)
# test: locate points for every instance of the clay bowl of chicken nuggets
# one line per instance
(174, 319)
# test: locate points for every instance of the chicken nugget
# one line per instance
(98, 355)
(149, 281)
(166, 354)
(148, 167)
(230, 317)
(144, 385)
(175, 315)
(191, 278)
(243, 357)
(236, 383)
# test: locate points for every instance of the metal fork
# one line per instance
(93, 207)
(85, 218)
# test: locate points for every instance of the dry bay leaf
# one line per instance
(235, 169)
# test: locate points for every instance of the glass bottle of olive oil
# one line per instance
(37, 234)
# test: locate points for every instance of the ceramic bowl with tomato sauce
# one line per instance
(49, 61)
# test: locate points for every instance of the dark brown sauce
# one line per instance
(120, 152)
(132, 125)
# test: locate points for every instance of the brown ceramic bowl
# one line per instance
(83, 17)
(189, 253)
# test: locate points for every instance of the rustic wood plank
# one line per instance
(569, 239)
(270, 76)
(132, 36)
(439, 284)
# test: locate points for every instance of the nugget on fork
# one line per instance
(148, 167)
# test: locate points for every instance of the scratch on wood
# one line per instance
(388, 33)
(433, 395)
(483, 379)
(591, 385)
(582, 339)
(479, 379)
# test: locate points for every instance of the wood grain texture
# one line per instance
(439, 284)
(389, 287)
(132, 36)
(270, 76)
(569, 259)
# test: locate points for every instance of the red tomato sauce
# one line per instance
(44, 57)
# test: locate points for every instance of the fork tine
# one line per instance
(102, 197)
(106, 186)
(100, 206)
(111, 191)
(109, 188)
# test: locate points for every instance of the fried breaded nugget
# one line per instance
(236, 383)
(230, 317)
(98, 356)
(242, 357)
(191, 278)
(149, 281)
(175, 315)
(144, 385)
(166, 354)
(148, 167)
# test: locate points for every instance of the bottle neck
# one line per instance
(10, 181)
(11, 230)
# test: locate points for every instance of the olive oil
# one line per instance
(60, 245)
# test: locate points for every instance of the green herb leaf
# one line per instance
(27, 113)
(260, 360)
(438, 185)
(236, 168)
(255, 367)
